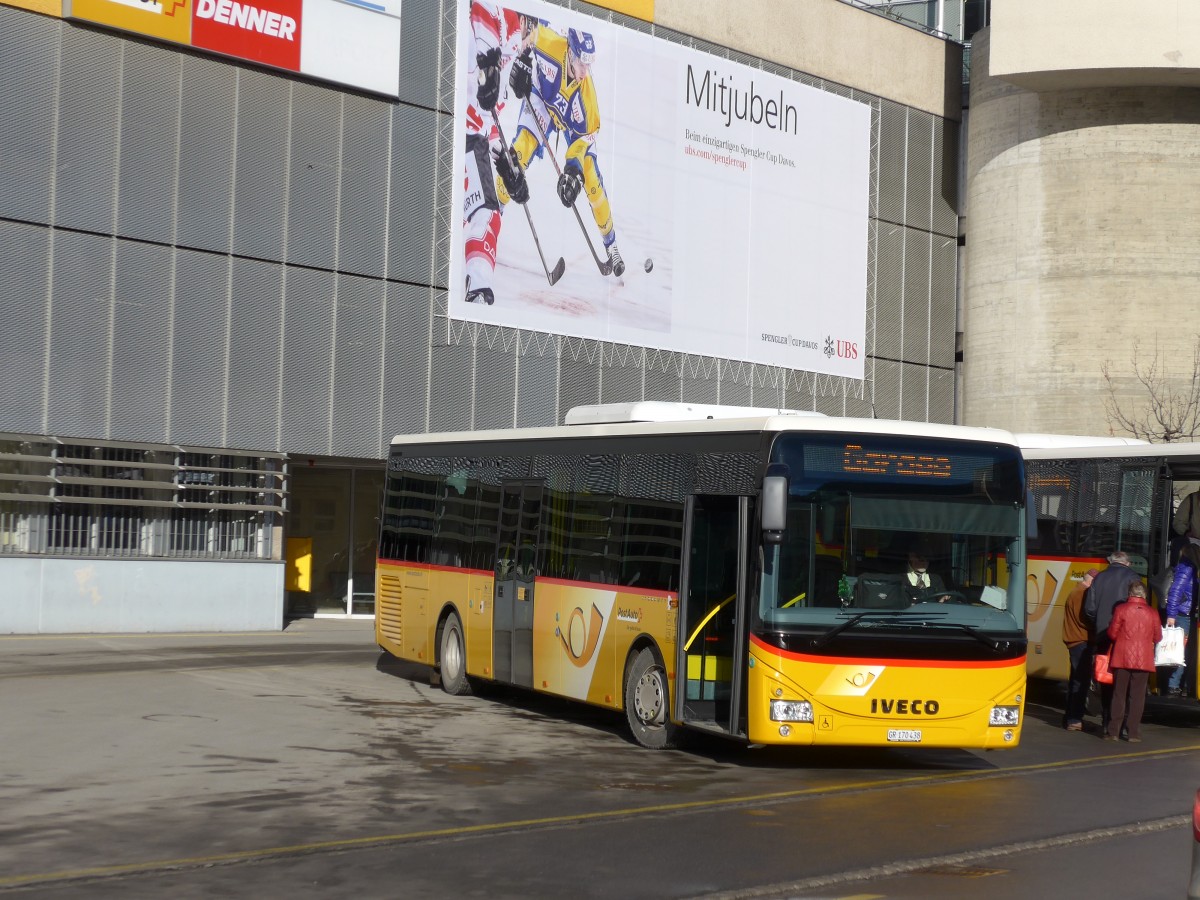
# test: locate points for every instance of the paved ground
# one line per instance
(307, 764)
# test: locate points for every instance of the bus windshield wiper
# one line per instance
(818, 643)
(980, 636)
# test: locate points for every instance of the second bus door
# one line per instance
(516, 569)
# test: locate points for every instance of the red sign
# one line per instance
(265, 31)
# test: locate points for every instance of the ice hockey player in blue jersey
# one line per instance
(553, 77)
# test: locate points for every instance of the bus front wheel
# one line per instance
(646, 702)
(454, 657)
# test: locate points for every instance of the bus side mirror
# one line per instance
(774, 503)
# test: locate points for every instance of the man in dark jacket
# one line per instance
(1108, 589)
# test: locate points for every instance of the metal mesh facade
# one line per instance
(195, 251)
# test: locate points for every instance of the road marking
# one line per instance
(240, 856)
(912, 867)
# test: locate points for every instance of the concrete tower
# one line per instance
(1083, 209)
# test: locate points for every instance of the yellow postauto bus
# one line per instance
(1091, 496)
(733, 571)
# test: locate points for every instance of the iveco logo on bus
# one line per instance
(914, 707)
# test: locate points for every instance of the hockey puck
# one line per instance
(649, 264)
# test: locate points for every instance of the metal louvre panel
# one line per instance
(443, 201)
(914, 393)
(149, 114)
(537, 383)
(885, 403)
(406, 362)
(206, 153)
(24, 272)
(260, 176)
(495, 386)
(735, 392)
(420, 41)
(945, 173)
(942, 322)
(450, 391)
(255, 313)
(410, 229)
(893, 141)
(662, 377)
(362, 218)
(201, 332)
(28, 59)
(313, 175)
(916, 296)
(622, 383)
(918, 179)
(700, 387)
(579, 382)
(889, 292)
(79, 321)
(941, 396)
(358, 350)
(86, 164)
(308, 309)
(141, 358)
(829, 404)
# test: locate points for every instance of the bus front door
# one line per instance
(712, 643)
(516, 569)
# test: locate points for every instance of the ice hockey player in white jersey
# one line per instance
(497, 36)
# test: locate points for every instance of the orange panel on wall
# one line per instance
(170, 20)
(639, 9)
(46, 7)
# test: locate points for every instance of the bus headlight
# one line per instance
(791, 711)
(1005, 716)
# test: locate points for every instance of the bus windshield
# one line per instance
(913, 526)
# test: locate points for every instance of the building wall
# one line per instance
(198, 251)
(1054, 46)
(56, 596)
(1083, 213)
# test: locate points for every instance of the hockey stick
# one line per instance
(603, 264)
(552, 275)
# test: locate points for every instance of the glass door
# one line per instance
(712, 643)
(332, 536)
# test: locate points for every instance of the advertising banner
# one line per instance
(623, 188)
(356, 44)
(168, 20)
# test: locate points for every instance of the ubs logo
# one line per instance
(580, 639)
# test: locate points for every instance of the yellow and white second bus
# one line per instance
(1092, 496)
(733, 571)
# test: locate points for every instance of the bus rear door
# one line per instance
(516, 568)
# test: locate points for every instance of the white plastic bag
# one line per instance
(1169, 651)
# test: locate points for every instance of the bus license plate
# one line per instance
(904, 735)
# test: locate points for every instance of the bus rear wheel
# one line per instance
(646, 702)
(454, 657)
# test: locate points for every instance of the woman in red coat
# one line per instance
(1134, 631)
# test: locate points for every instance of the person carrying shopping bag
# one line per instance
(1134, 631)
(1180, 600)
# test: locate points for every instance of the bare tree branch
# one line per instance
(1168, 409)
